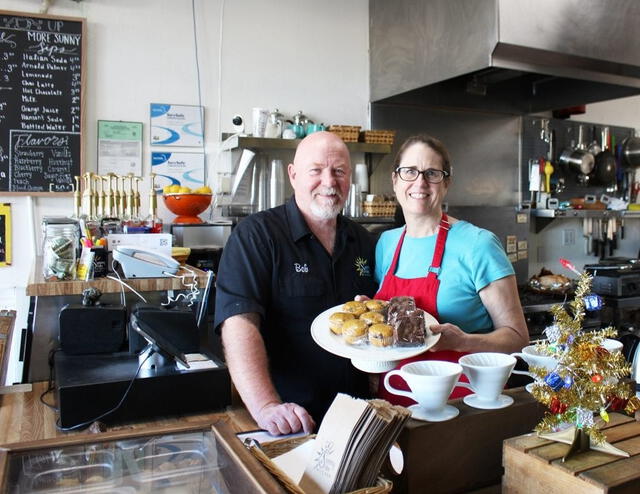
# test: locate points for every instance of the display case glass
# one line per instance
(197, 460)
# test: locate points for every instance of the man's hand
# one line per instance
(284, 418)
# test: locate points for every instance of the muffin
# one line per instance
(381, 335)
(375, 305)
(337, 319)
(355, 308)
(372, 318)
(354, 331)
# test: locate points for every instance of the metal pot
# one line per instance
(605, 165)
(631, 152)
(578, 159)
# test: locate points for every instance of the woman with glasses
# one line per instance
(457, 272)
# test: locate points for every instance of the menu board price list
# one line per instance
(40, 103)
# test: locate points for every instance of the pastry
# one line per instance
(355, 308)
(372, 318)
(337, 319)
(409, 328)
(375, 305)
(354, 331)
(381, 335)
(399, 306)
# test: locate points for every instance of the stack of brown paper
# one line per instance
(354, 438)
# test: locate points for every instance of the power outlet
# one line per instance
(568, 236)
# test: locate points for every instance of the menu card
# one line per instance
(352, 442)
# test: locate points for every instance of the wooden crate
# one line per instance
(533, 465)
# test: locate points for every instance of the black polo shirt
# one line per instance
(273, 265)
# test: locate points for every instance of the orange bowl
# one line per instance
(187, 207)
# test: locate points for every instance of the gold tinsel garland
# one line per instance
(588, 378)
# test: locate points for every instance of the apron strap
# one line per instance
(438, 253)
(396, 255)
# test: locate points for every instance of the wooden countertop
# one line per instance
(24, 418)
(39, 287)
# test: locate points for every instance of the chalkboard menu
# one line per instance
(41, 68)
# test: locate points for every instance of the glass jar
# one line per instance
(59, 253)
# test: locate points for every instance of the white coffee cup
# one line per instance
(431, 383)
(487, 373)
(532, 356)
(259, 123)
(613, 346)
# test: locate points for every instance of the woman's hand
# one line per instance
(451, 338)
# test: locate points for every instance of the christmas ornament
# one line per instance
(587, 380)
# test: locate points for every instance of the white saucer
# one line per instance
(447, 413)
(503, 401)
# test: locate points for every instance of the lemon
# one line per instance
(184, 190)
(205, 190)
(166, 189)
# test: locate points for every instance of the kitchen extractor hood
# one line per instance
(514, 56)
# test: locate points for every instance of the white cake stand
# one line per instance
(365, 357)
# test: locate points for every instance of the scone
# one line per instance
(372, 318)
(337, 319)
(381, 335)
(355, 308)
(354, 331)
(375, 305)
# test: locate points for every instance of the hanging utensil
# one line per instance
(631, 152)
(605, 164)
(594, 148)
(578, 159)
(548, 171)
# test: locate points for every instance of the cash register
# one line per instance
(157, 369)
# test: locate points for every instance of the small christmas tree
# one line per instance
(588, 378)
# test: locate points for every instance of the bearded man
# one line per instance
(279, 269)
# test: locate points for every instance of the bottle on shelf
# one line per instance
(152, 221)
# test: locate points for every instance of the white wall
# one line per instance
(290, 54)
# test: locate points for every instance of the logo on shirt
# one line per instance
(362, 267)
(301, 268)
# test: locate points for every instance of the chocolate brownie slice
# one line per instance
(409, 329)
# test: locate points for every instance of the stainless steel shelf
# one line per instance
(545, 216)
(248, 142)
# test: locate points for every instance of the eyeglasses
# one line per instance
(431, 175)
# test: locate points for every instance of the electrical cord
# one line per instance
(201, 108)
(109, 412)
(193, 288)
(123, 284)
(50, 386)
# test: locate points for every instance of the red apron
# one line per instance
(424, 291)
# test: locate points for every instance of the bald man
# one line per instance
(279, 269)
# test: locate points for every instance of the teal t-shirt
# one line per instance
(473, 258)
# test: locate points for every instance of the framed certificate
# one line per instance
(5, 234)
(119, 147)
(176, 125)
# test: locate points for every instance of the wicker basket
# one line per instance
(269, 450)
(379, 208)
(348, 133)
(378, 136)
